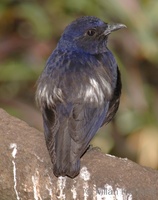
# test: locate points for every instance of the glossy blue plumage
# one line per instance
(78, 92)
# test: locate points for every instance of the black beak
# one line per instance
(113, 27)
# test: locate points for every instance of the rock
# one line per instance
(26, 171)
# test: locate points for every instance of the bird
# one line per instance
(78, 91)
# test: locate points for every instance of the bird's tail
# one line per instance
(65, 163)
(62, 148)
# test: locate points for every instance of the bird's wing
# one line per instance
(115, 100)
(84, 122)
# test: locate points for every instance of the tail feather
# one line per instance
(65, 163)
(59, 143)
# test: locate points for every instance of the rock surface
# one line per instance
(26, 171)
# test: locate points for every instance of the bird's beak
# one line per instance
(113, 27)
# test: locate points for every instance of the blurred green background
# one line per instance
(30, 30)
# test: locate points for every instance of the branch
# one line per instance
(26, 171)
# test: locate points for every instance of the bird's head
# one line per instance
(87, 34)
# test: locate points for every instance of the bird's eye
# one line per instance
(91, 32)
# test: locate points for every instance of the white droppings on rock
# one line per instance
(94, 192)
(14, 147)
(36, 189)
(74, 192)
(49, 187)
(124, 159)
(15, 180)
(84, 174)
(14, 152)
(50, 191)
(112, 156)
(85, 190)
(61, 183)
(41, 160)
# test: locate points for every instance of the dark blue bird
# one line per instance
(78, 91)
